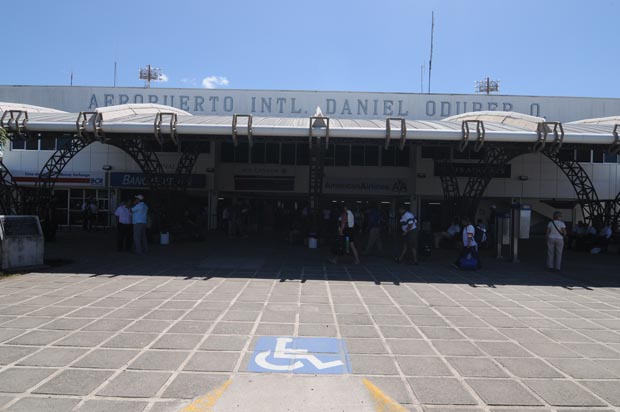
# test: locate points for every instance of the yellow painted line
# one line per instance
(383, 403)
(206, 402)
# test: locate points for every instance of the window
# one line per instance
(357, 155)
(258, 153)
(402, 157)
(458, 155)
(342, 155)
(227, 152)
(598, 155)
(242, 153)
(566, 155)
(19, 144)
(32, 144)
(48, 143)
(584, 155)
(371, 155)
(435, 152)
(272, 153)
(330, 155)
(288, 153)
(303, 155)
(388, 156)
(62, 141)
(610, 157)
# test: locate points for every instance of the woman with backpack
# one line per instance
(556, 231)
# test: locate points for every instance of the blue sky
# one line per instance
(535, 47)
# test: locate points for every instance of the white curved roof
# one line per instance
(140, 119)
(520, 120)
(137, 109)
(612, 120)
(6, 106)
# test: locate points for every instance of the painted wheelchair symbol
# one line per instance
(298, 355)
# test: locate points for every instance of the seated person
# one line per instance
(451, 234)
(577, 236)
(604, 235)
(481, 228)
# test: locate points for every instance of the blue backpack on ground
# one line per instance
(468, 262)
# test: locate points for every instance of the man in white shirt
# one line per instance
(469, 243)
(556, 231)
(124, 228)
(409, 228)
(604, 235)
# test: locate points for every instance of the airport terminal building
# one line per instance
(388, 148)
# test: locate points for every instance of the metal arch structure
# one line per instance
(493, 156)
(189, 155)
(9, 192)
(56, 163)
(613, 212)
(591, 206)
(147, 160)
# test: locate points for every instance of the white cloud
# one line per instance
(163, 78)
(212, 82)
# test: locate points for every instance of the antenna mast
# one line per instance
(430, 61)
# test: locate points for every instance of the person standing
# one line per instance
(374, 231)
(139, 217)
(346, 229)
(470, 246)
(409, 227)
(123, 227)
(556, 230)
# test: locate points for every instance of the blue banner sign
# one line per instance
(122, 179)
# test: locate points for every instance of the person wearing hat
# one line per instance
(139, 213)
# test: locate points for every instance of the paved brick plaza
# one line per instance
(430, 337)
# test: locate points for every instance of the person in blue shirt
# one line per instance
(374, 231)
(139, 213)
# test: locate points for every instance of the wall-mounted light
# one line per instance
(421, 175)
(106, 167)
(523, 178)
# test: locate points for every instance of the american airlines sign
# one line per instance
(303, 103)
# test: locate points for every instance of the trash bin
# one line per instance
(164, 238)
(313, 242)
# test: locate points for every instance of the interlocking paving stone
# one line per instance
(233, 328)
(43, 404)
(503, 392)
(503, 349)
(106, 359)
(325, 330)
(372, 364)
(440, 391)
(159, 360)
(130, 340)
(583, 369)
(191, 385)
(176, 341)
(422, 366)
(84, 339)
(482, 334)
(351, 331)
(529, 368)
(74, 382)
(393, 387)
(400, 332)
(18, 380)
(135, 384)
(212, 361)
(563, 393)
(53, 357)
(38, 337)
(112, 406)
(549, 350)
(275, 329)
(593, 350)
(608, 390)
(365, 346)
(195, 327)
(10, 354)
(456, 348)
(440, 333)
(410, 347)
(476, 367)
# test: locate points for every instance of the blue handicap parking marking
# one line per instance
(282, 354)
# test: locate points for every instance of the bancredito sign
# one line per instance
(303, 103)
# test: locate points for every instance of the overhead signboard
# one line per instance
(65, 179)
(139, 180)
